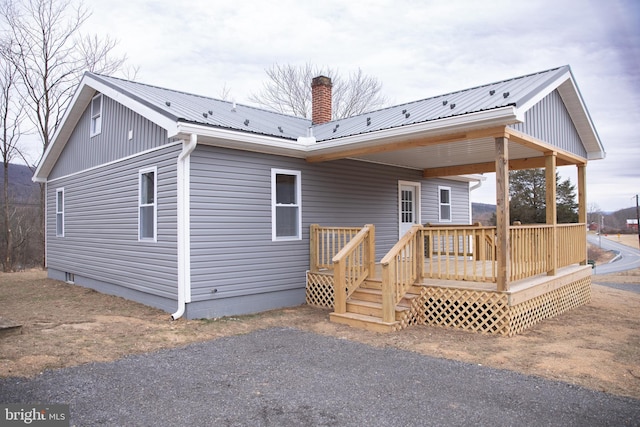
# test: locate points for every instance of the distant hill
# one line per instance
(21, 188)
(613, 221)
(482, 212)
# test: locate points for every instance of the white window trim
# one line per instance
(440, 204)
(58, 211)
(96, 116)
(274, 205)
(141, 172)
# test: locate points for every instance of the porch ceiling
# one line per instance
(460, 154)
(466, 152)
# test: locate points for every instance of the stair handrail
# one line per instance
(401, 268)
(352, 265)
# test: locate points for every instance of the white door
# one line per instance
(409, 197)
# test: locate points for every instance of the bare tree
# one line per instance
(44, 42)
(11, 116)
(594, 213)
(288, 91)
(225, 92)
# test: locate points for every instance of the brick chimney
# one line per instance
(321, 100)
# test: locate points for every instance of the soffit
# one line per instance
(457, 153)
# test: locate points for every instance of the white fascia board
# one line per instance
(482, 119)
(599, 155)
(567, 88)
(84, 93)
(581, 116)
(230, 138)
(544, 91)
(79, 101)
(152, 115)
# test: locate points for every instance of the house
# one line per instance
(207, 208)
(632, 224)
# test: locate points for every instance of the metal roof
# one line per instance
(375, 136)
(512, 92)
(181, 106)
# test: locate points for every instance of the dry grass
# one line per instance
(596, 346)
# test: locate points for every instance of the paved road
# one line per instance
(286, 377)
(629, 257)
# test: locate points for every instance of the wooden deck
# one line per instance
(449, 276)
(469, 305)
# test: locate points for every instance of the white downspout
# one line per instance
(473, 187)
(184, 225)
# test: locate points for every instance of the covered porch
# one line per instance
(499, 279)
(448, 276)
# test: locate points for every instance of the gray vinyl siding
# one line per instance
(100, 240)
(232, 252)
(550, 121)
(112, 143)
(459, 201)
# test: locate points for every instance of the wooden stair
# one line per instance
(364, 308)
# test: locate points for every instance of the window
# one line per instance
(60, 212)
(147, 212)
(445, 203)
(286, 208)
(96, 115)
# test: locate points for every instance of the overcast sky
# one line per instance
(417, 49)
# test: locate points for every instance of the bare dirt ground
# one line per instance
(596, 346)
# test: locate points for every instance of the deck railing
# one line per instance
(572, 244)
(352, 265)
(469, 252)
(326, 242)
(531, 250)
(460, 252)
(441, 252)
(401, 267)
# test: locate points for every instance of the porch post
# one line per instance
(371, 250)
(582, 202)
(339, 288)
(503, 246)
(313, 247)
(552, 211)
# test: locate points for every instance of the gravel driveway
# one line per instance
(286, 377)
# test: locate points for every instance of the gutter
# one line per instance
(307, 146)
(184, 225)
(456, 124)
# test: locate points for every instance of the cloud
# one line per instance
(416, 49)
